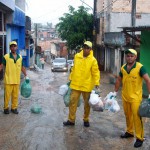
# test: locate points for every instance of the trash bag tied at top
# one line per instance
(26, 88)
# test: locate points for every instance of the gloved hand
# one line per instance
(26, 77)
(97, 89)
(149, 96)
(115, 93)
(97, 86)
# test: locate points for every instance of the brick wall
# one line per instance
(45, 45)
(142, 6)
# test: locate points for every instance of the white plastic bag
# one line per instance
(94, 99)
(114, 107)
(99, 106)
(108, 100)
(63, 89)
(109, 96)
(96, 102)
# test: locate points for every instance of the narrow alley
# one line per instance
(45, 131)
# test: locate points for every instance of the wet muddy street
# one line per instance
(45, 131)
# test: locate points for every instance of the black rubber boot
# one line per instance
(126, 135)
(6, 111)
(15, 111)
(68, 123)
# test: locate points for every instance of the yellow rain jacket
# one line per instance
(13, 69)
(85, 73)
(132, 84)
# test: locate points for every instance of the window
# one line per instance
(138, 16)
(41, 35)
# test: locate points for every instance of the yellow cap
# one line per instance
(132, 51)
(12, 43)
(88, 43)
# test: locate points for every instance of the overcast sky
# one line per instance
(42, 11)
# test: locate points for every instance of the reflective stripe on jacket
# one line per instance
(132, 84)
(12, 70)
(85, 73)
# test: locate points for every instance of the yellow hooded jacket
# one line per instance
(85, 73)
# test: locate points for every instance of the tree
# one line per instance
(76, 26)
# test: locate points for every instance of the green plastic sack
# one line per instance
(36, 108)
(69, 83)
(67, 98)
(144, 109)
(26, 88)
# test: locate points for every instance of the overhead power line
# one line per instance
(87, 4)
(98, 13)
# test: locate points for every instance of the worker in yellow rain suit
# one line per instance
(84, 76)
(131, 76)
(13, 67)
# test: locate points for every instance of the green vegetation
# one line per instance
(75, 27)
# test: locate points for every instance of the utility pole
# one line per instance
(133, 13)
(35, 34)
(94, 20)
(133, 18)
(36, 43)
(94, 25)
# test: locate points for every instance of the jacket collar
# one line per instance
(81, 54)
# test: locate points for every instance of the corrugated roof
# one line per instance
(137, 28)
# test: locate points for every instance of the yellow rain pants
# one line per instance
(11, 91)
(133, 120)
(75, 95)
